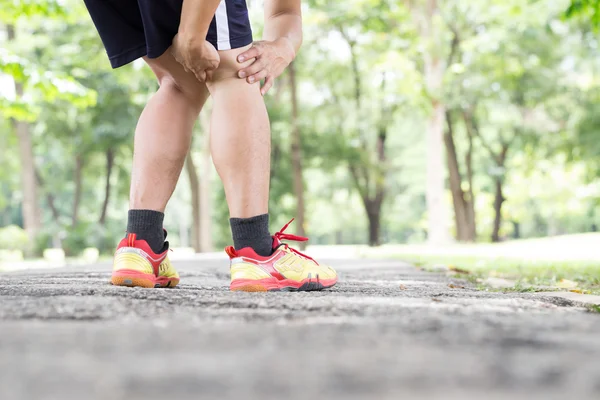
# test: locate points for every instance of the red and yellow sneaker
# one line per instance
(285, 270)
(137, 265)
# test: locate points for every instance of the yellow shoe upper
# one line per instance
(137, 256)
(283, 264)
(296, 267)
(128, 258)
(166, 269)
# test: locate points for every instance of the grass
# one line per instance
(529, 274)
(566, 262)
(594, 308)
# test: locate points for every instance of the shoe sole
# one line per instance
(131, 278)
(286, 285)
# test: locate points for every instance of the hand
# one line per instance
(197, 56)
(270, 59)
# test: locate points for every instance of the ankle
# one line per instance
(147, 225)
(252, 232)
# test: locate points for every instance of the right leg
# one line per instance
(163, 134)
(162, 141)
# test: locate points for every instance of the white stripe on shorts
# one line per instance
(223, 42)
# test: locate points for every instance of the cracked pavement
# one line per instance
(387, 330)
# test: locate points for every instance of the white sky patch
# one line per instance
(7, 87)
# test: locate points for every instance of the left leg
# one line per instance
(241, 150)
(240, 139)
(240, 144)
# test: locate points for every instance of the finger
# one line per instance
(258, 76)
(268, 85)
(253, 52)
(200, 75)
(209, 74)
(252, 69)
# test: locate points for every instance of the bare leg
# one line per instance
(163, 134)
(162, 141)
(240, 139)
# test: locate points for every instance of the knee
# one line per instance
(196, 95)
(171, 77)
(229, 65)
(168, 83)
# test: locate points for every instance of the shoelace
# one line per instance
(286, 236)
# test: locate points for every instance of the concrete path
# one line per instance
(386, 331)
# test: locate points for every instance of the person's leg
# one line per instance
(240, 138)
(240, 145)
(162, 141)
(241, 150)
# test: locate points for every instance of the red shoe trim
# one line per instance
(268, 264)
(277, 241)
(275, 284)
(131, 239)
(230, 251)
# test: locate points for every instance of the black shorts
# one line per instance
(131, 29)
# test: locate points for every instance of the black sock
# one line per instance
(147, 225)
(252, 232)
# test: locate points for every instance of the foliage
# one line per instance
(13, 237)
(586, 9)
(525, 71)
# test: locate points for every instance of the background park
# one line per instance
(443, 156)
(399, 123)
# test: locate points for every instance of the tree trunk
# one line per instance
(296, 155)
(195, 189)
(434, 74)
(464, 207)
(375, 205)
(31, 211)
(499, 194)
(436, 207)
(339, 237)
(471, 218)
(516, 230)
(78, 188)
(373, 202)
(49, 198)
(370, 179)
(374, 216)
(455, 178)
(56, 238)
(184, 233)
(206, 243)
(110, 160)
(498, 201)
